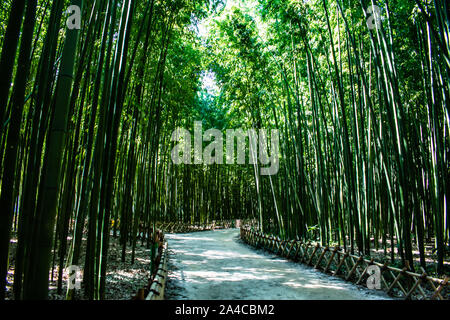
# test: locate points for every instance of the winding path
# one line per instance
(216, 265)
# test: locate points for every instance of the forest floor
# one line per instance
(123, 279)
(430, 258)
(216, 265)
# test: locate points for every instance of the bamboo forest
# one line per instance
(309, 141)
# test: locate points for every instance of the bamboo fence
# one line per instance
(178, 227)
(158, 285)
(400, 283)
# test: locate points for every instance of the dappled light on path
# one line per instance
(217, 265)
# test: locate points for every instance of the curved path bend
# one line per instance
(217, 265)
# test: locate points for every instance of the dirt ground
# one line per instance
(123, 280)
(216, 265)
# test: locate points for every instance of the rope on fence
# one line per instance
(396, 282)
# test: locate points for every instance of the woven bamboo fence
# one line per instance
(158, 285)
(177, 227)
(400, 283)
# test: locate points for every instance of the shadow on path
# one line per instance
(216, 265)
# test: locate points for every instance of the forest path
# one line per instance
(216, 265)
